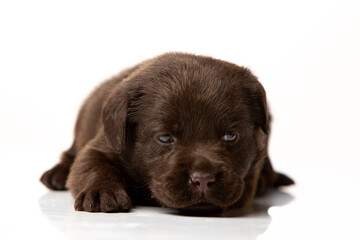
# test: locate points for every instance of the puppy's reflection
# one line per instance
(261, 205)
(58, 208)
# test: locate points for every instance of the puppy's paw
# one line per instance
(283, 180)
(55, 178)
(110, 197)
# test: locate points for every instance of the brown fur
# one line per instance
(117, 161)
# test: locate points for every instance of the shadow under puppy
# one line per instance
(181, 131)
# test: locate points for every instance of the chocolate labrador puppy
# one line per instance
(181, 131)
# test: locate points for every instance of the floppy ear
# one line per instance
(114, 115)
(259, 108)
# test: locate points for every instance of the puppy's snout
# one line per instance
(202, 181)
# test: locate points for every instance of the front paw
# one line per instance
(55, 178)
(109, 197)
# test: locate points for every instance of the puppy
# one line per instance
(182, 131)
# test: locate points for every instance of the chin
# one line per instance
(201, 209)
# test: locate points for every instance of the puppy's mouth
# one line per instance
(189, 200)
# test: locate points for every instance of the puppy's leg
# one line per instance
(55, 178)
(97, 181)
(271, 179)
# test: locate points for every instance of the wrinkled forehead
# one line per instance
(194, 97)
(192, 111)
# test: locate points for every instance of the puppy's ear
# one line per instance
(259, 107)
(114, 116)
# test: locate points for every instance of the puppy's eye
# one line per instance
(166, 138)
(230, 137)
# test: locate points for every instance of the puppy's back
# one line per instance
(89, 117)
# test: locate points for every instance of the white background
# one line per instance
(306, 54)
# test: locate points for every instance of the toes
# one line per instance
(93, 200)
(58, 180)
(283, 180)
(55, 178)
(46, 179)
(108, 203)
(79, 202)
(123, 200)
(87, 201)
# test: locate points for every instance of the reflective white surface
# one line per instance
(147, 222)
(323, 205)
(306, 54)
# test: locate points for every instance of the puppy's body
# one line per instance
(182, 131)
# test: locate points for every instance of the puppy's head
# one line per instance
(191, 126)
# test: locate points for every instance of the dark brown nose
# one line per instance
(202, 181)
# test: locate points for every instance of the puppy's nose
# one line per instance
(202, 181)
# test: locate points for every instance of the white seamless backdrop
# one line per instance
(305, 53)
